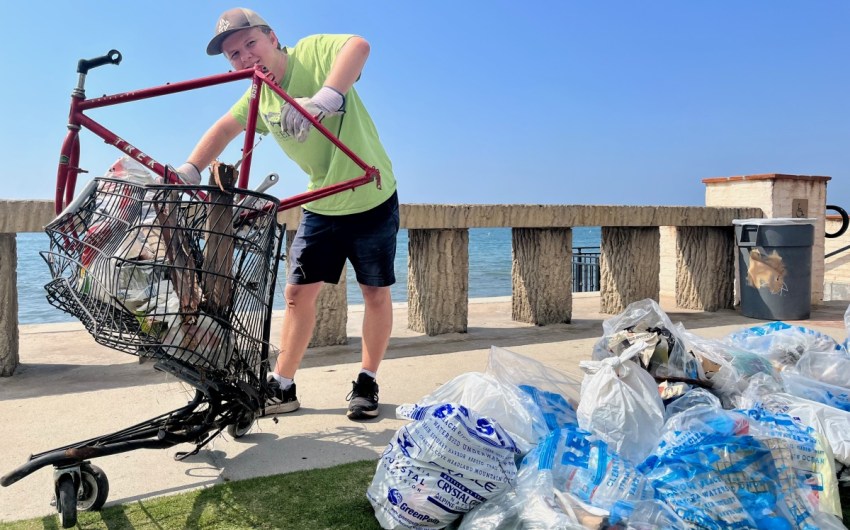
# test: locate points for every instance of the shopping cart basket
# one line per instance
(155, 271)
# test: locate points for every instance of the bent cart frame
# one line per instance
(66, 176)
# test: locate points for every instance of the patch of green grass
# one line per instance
(332, 498)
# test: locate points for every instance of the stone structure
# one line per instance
(15, 216)
(542, 275)
(699, 253)
(438, 263)
(8, 305)
(629, 267)
(435, 283)
(630, 273)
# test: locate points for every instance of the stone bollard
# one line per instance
(705, 267)
(542, 275)
(9, 358)
(438, 281)
(629, 267)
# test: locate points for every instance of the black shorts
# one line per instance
(323, 243)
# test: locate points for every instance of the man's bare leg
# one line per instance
(298, 323)
(377, 327)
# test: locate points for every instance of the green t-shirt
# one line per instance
(309, 63)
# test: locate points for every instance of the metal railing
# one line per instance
(845, 222)
(585, 269)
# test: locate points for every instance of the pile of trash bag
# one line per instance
(667, 429)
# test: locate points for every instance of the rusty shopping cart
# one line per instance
(181, 275)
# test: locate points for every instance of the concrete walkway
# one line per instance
(69, 389)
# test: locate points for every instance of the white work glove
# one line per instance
(326, 102)
(188, 173)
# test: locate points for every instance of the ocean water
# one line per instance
(489, 271)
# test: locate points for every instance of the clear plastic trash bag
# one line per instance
(663, 354)
(555, 393)
(721, 468)
(832, 368)
(814, 390)
(831, 423)
(782, 343)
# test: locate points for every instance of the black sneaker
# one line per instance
(363, 398)
(280, 401)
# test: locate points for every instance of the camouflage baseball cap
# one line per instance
(231, 21)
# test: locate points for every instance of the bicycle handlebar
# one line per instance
(111, 57)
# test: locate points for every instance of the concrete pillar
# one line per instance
(705, 267)
(331, 309)
(438, 280)
(779, 196)
(542, 275)
(9, 359)
(629, 267)
(667, 253)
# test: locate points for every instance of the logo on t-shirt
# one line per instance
(272, 120)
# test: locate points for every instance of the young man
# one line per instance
(359, 225)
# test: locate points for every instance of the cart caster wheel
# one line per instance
(66, 501)
(242, 425)
(94, 488)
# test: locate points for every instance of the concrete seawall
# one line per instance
(438, 262)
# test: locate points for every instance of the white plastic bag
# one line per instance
(511, 408)
(118, 253)
(742, 469)
(620, 404)
(199, 341)
(645, 515)
(802, 456)
(448, 460)
(513, 368)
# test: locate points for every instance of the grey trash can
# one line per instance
(775, 266)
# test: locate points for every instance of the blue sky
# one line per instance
(608, 102)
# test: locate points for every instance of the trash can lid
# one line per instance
(776, 221)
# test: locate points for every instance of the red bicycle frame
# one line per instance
(66, 177)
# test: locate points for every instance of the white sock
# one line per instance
(283, 382)
(367, 372)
